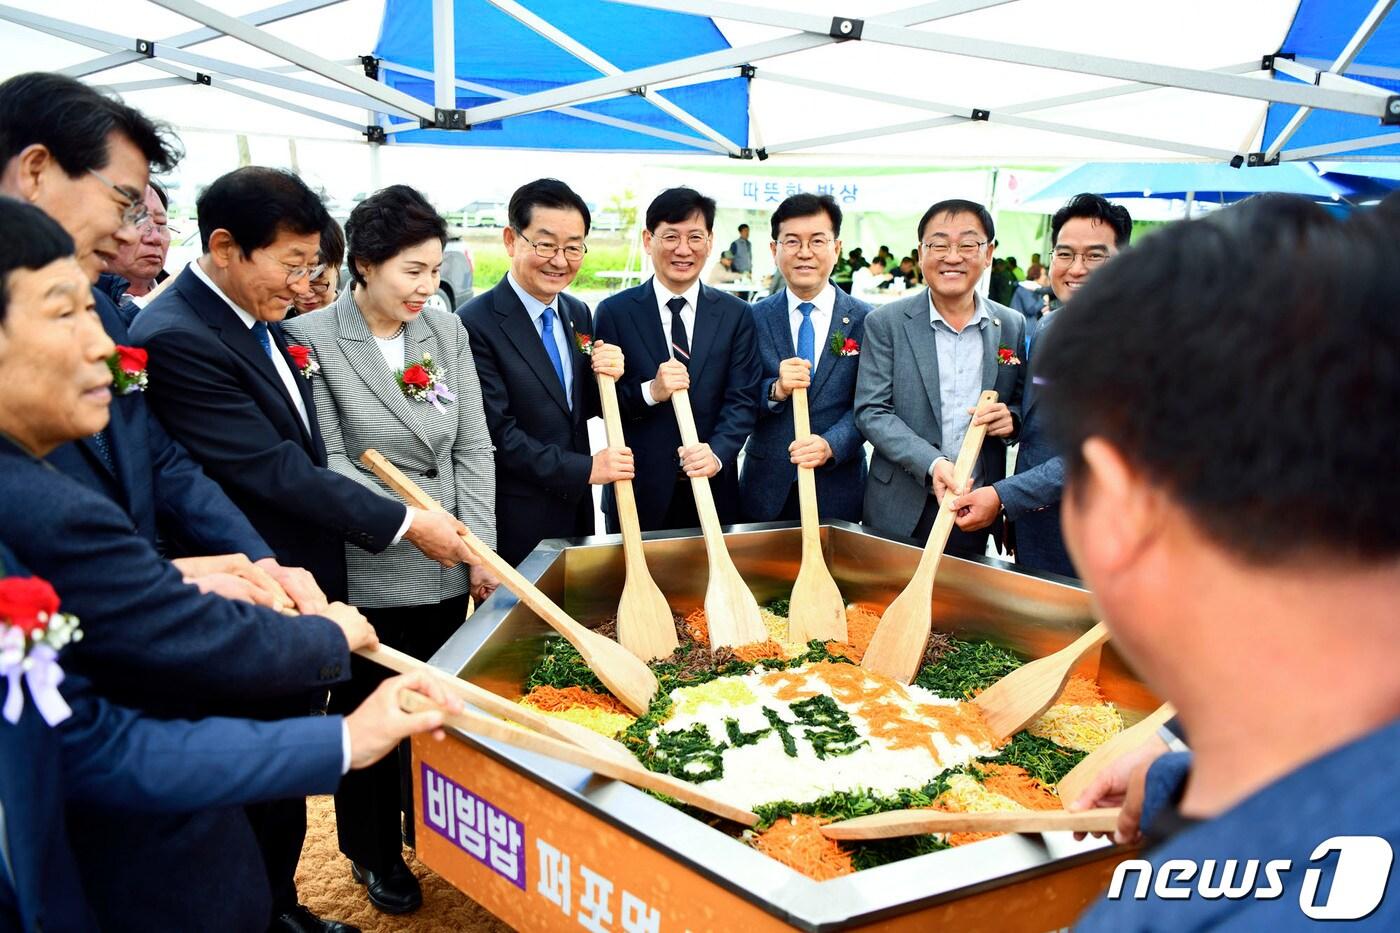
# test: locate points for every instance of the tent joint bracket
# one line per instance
(639, 91)
(146, 47)
(1259, 159)
(371, 66)
(980, 116)
(1392, 111)
(445, 118)
(846, 27)
(748, 71)
(203, 78)
(375, 134)
(748, 153)
(1267, 62)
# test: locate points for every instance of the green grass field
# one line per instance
(491, 261)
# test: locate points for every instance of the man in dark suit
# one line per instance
(958, 344)
(224, 385)
(150, 641)
(537, 383)
(691, 337)
(1085, 234)
(87, 182)
(808, 337)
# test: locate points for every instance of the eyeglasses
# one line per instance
(967, 249)
(572, 253)
(321, 283)
(816, 244)
(297, 273)
(694, 241)
(134, 211)
(1091, 257)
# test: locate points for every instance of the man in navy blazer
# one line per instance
(691, 337)
(537, 384)
(1084, 234)
(89, 184)
(809, 324)
(224, 384)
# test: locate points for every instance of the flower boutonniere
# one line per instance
(841, 345)
(32, 632)
(128, 366)
(1007, 356)
(422, 382)
(301, 356)
(584, 343)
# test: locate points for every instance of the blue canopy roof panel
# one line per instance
(1321, 30)
(495, 50)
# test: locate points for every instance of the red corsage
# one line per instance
(1007, 356)
(128, 367)
(841, 345)
(32, 632)
(301, 357)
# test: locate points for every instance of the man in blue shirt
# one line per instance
(1230, 502)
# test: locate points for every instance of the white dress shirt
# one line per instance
(825, 303)
(663, 295)
(391, 348)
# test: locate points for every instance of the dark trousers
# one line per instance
(960, 543)
(369, 802)
(280, 829)
(792, 508)
(681, 512)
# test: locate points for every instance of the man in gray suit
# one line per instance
(1084, 234)
(947, 344)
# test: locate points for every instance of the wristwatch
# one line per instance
(773, 392)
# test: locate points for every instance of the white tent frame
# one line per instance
(1328, 85)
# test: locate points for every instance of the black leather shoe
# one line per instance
(395, 891)
(301, 920)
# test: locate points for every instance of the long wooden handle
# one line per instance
(917, 822)
(699, 485)
(1073, 784)
(524, 590)
(560, 729)
(619, 770)
(962, 470)
(623, 494)
(806, 479)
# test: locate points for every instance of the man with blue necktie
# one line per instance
(530, 342)
(825, 325)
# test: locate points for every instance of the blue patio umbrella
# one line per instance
(1186, 181)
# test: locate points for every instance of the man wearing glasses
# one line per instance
(537, 382)
(140, 266)
(926, 360)
(691, 337)
(224, 384)
(1085, 233)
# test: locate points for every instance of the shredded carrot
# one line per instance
(760, 650)
(1015, 784)
(1080, 691)
(961, 719)
(554, 699)
(799, 844)
(697, 626)
(791, 685)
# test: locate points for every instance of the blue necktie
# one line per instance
(104, 449)
(806, 334)
(260, 331)
(547, 334)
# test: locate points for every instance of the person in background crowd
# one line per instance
(1259, 601)
(692, 337)
(1015, 271)
(139, 267)
(907, 272)
(886, 257)
(741, 252)
(1034, 270)
(1085, 233)
(366, 346)
(841, 274)
(959, 344)
(857, 259)
(723, 271)
(150, 641)
(808, 337)
(1001, 283)
(82, 156)
(322, 293)
(538, 381)
(869, 277)
(224, 383)
(1032, 298)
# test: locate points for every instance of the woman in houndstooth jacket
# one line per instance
(390, 374)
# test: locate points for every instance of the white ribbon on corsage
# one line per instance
(438, 394)
(39, 670)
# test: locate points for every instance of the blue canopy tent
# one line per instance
(1336, 43)
(1188, 181)
(498, 56)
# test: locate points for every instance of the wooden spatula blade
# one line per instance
(1021, 697)
(815, 609)
(895, 823)
(731, 612)
(1073, 784)
(640, 616)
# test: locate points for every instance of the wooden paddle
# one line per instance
(560, 729)
(629, 771)
(1073, 784)
(1018, 699)
(917, 822)
(629, 679)
(899, 640)
(645, 626)
(731, 612)
(816, 609)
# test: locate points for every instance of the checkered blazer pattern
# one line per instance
(360, 405)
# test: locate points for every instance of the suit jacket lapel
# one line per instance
(991, 341)
(824, 354)
(580, 362)
(649, 323)
(310, 431)
(356, 341)
(925, 346)
(1030, 395)
(520, 330)
(707, 312)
